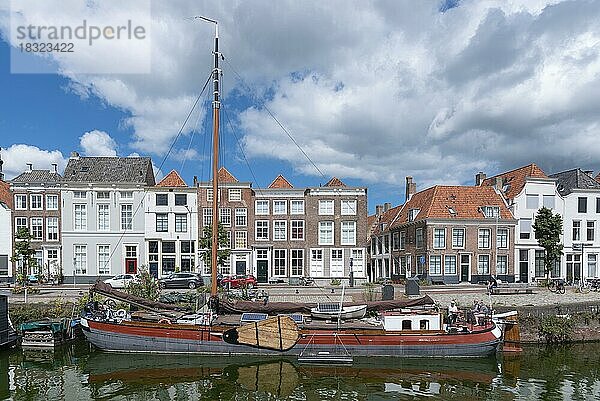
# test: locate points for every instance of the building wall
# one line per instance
(6, 243)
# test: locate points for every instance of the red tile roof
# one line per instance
(173, 179)
(226, 177)
(280, 182)
(335, 182)
(387, 219)
(513, 181)
(5, 194)
(438, 202)
(598, 177)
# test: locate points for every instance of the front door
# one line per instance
(240, 267)
(465, 266)
(524, 265)
(154, 269)
(131, 266)
(262, 271)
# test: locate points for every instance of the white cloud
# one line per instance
(17, 156)
(97, 143)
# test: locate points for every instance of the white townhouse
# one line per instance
(526, 190)
(581, 221)
(171, 221)
(103, 224)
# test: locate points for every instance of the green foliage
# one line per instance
(23, 252)
(206, 244)
(369, 292)
(21, 290)
(548, 228)
(556, 329)
(21, 313)
(336, 281)
(145, 286)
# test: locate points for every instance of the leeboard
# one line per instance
(279, 333)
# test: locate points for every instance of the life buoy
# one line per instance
(164, 321)
(121, 313)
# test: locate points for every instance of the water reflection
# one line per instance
(79, 373)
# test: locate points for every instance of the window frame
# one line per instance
(348, 207)
(326, 207)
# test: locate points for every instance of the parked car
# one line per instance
(239, 281)
(120, 280)
(181, 280)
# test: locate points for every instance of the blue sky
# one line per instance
(438, 90)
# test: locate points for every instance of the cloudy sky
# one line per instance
(372, 91)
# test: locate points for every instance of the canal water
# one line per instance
(78, 372)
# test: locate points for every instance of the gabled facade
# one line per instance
(37, 205)
(526, 189)
(103, 216)
(581, 221)
(171, 218)
(449, 234)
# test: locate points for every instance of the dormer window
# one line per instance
(412, 214)
(452, 211)
(491, 212)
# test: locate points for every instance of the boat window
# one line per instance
(424, 325)
(406, 325)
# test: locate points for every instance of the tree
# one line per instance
(144, 286)
(206, 243)
(548, 228)
(24, 253)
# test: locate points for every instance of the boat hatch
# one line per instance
(253, 317)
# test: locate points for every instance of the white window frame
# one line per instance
(241, 240)
(126, 225)
(296, 255)
(279, 207)
(103, 268)
(326, 207)
(264, 226)
(225, 216)
(80, 223)
(503, 270)
(348, 233)
(336, 265)
(79, 195)
(206, 217)
(181, 227)
(259, 207)
(241, 217)
(234, 194)
(437, 269)
(456, 245)
(502, 239)
(127, 195)
(348, 207)
(448, 268)
(19, 226)
(51, 202)
(36, 234)
(481, 238)
(279, 230)
(20, 202)
(298, 229)
(439, 242)
(279, 262)
(297, 206)
(316, 262)
(51, 228)
(483, 270)
(80, 259)
(358, 262)
(323, 230)
(103, 216)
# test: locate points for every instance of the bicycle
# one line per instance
(556, 285)
(583, 287)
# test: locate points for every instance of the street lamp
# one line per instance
(74, 270)
(351, 272)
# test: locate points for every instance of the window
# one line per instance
(412, 214)
(180, 199)
(349, 233)
(483, 240)
(502, 238)
(326, 233)
(573, 266)
(279, 259)
(491, 212)
(395, 240)
(126, 194)
(126, 217)
(206, 217)
(483, 265)
(439, 238)
(531, 201)
(386, 244)
(262, 207)
(297, 232)
(316, 262)
(326, 207)
(582, 204)
(37, 224)
(241, 240)
(80, 252)
(187, 246)
(181, 225)
(279, 207)
(103, 217)
(104, 259)
(235, 194)
(297, 262)
(348, 207)
(80, 217)
(36, 202)
(51, 202)
(576, 230)
(279, 230)
(162, 199)
(336, 263)
(435, 265)
(540, 270)
(297, 207)
(162, 222)
(406, 325)
(241, 219)
(502, 264)
(20, 222)
(525, 228)
(402, 240)
(20, 202)
(4, 265)
(79, 195)
(187, 263)
(262, 230)
(168, 247)
(103, 195)
(52, 229)
(597, 205)
(449, 264)
(52, 255)
(548, 201)
(591, 225)
(357, 262)
(592, 258)
(458, 238)
(225, 216)
(419, 238)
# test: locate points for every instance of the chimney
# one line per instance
(479, 178)
(498, 184)
(30, 165)
(74, 155)
(55, 165)
(378, 210)
(411, 187)
(195, 180)
(387, 206)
